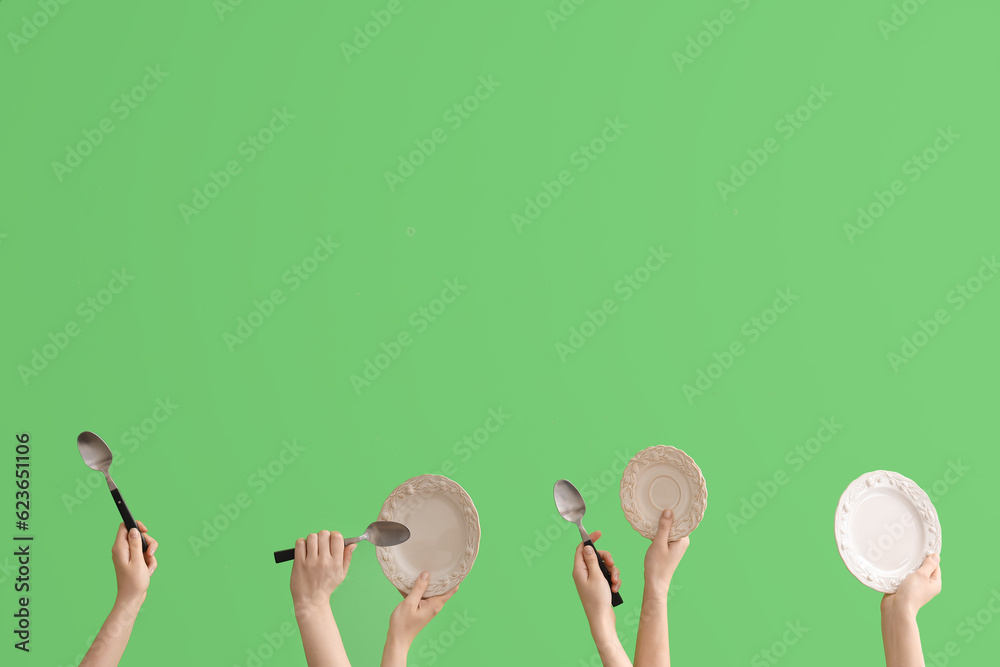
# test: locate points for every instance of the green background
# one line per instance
(495, 346)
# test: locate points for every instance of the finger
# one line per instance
(324, 544)
(300, 549)
(119, 550)
(134, 545)
(606, 557)
(348, 553)
(337, 544)
(936, 574)
(142, 527)
(151, 545)
(596, 535)
(151, 563)
(312, 546)
(437, 602)
(419, 586)
(616, 578)
(928, 566)
(590, 557)
(579, 565)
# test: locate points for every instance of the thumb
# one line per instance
(348, 553)
(419, 586)
(590, 556)
(665, 526)
(134, 545)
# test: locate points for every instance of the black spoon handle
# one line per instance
(284, 555)
(127, 516)
(616, 599)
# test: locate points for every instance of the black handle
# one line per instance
(127, 516)
(616, 599)
(284, 555)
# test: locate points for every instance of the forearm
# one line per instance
(652, 644)
(320, 636)
(901, 637)
(110, 643)
(394, 654)
(609, 646)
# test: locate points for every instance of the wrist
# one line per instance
(656, 591)
(129, 603)
(895, 609)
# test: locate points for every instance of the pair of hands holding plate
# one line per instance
(321, 565)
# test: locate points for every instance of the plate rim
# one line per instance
(690, 469)
(474, 529)
(925, 509)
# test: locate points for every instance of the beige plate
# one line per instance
(444, 534)
(663, 477)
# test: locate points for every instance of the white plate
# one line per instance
(444, 534)
(885, 527)
(658, 478)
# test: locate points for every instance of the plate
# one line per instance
(663, 477)
(885, 527)
(444, 534)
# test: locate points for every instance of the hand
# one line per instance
(663, 556)
(592, 587)
(321, 563)
(919, 587)
(414, 613)
(133, 568)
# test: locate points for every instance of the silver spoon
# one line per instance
(570, 504)
(97, 455)
(379, 533)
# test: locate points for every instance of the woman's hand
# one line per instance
(919, 588)
(663, 557)
(133, 568)
(413, 614)
(321, 564)
(591, 586)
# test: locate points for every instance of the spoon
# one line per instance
(571, 507)
(379, 533)
(97, 455)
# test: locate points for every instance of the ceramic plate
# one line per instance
(658, 478)
(885, 527)
(444, 534)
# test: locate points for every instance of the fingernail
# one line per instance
(424, 576)
(133, 533)
(668, 513)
